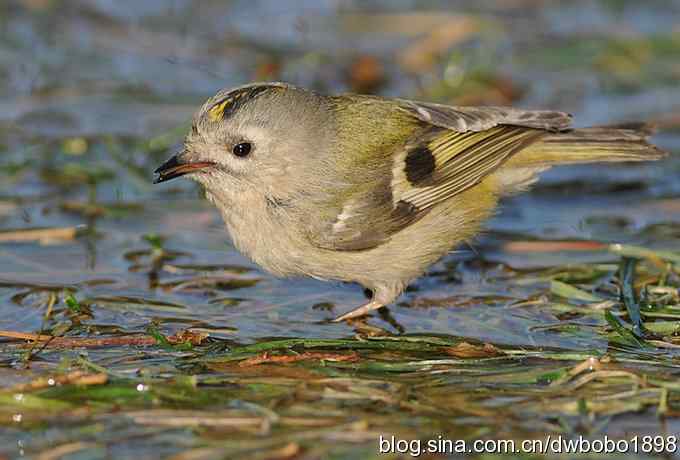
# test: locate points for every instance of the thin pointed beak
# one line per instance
(176, 167)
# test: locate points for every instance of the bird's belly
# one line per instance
(265, 242)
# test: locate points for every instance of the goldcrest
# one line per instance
(367, 189)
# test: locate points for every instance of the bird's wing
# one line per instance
(454, 149)
(464, 119)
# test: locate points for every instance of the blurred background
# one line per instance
(95, 94)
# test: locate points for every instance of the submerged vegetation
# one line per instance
(129, 327)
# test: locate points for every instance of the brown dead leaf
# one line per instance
(188, 335)
(407, 24)
(183, 418)
(265, 358)
(63, 450)
(366, 74)
(269, 373)
(553, 246)
(468, 350)
(41, 235)
(493, 90)
(72, 378)
(290, 450)
(424, 52)
(195, 338)
(435, 33)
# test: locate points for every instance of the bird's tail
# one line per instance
(626, 142)
(585, 145)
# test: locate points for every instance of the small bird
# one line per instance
(368, 189)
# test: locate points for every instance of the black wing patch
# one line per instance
(419, 165)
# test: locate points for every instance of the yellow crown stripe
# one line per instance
(217, 111)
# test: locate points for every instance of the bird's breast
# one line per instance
(262, 235)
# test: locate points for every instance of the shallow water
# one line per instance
(95, 94)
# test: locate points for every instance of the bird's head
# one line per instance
(257, 136)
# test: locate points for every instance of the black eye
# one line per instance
(242, 149)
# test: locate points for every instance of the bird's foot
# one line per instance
(360, 311)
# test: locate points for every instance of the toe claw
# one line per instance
(357, 312)
(347, 316)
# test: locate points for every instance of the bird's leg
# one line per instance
(360, 311)
(382, 294)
